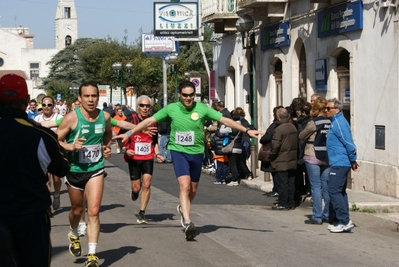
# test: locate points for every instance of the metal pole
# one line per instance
(110, 94)
(176, 95)
(121, 79)
(165, 86)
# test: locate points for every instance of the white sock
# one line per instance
(92, 248)
(74, 232)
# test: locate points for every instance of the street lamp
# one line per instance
(171, 60)
(117, 67)
(244, 24)
(187, 76)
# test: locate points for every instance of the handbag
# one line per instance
(229, 148)
(264, 152)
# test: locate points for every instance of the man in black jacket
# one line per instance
(29, 151)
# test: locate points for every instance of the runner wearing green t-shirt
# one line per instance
(86, 135)
(187, 144)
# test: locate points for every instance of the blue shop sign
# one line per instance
(343, 18)
(274, 36)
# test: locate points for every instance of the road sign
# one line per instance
(197, 83)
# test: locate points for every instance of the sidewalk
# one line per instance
(384, 207)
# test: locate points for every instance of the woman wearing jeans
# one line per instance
(316, 161)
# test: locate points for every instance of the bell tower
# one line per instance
(66, 24)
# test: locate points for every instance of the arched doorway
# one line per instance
(302, 73)
(343, 73)
(278, 77)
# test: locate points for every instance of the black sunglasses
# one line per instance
(47, 105)
(329, 108)
(144, 105)
(188, 95)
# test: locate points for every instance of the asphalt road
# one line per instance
(235, 228)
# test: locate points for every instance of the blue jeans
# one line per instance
(163, 141)
(337, 190)
(221, 170)
(318, 177)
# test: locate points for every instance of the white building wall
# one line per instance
(373, 84)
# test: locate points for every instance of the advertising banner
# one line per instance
(180, 19)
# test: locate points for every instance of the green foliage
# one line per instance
(91, 60)
(55, 87)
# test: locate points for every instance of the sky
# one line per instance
(96, 18)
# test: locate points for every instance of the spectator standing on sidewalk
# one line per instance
(315, 157)
(265, 140)
(342, 157)
(187, 144)
(24, 197)
(283, 157)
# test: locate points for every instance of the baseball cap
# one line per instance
(13, 87)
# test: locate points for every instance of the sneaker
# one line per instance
(232, 183)
(311, 221)
(118, 151)
(341, 227)
(74, 245)
(216, 182)
(189, 230)
(272, 194)
(181, 215)
(92, 261)
(82, 229)
(332, 225)
(56, 202)
(134, 196)
(141, 218)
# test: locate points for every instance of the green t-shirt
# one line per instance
(187, 125)
(90, 157)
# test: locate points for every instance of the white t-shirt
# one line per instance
(54, 117)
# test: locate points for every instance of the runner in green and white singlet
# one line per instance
(87, 132)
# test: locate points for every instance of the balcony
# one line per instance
(263, 9)
(220, 13)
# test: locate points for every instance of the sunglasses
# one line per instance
(144, 105)
(329, 108)
(188, 95)
(47, 105)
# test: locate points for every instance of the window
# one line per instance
(68, 40)
(67, 12)
(34, 71)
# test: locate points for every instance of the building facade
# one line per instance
(18, 55)
(342, 49)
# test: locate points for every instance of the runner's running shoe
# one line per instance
(82, 229)
(141, 218)
(92, 261)
(190, 231)
(74, 245)
(181, 215)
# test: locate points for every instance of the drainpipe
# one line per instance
(254, 106)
